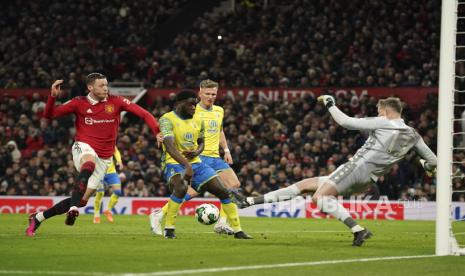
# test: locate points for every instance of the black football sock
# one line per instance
(81, 184)
(58, 209)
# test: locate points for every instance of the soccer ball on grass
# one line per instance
(207, 213)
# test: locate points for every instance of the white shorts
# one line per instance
(101, 165)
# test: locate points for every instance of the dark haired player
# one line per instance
(182, 144)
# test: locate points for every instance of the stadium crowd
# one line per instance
(325, 44)
(291, 43)
(46, 40)
(274, 144)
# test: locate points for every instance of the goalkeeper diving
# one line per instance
(389, 140)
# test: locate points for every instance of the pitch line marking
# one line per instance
(220, 269)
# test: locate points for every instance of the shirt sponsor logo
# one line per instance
(90, 121)
(188, 136)
(213, 124)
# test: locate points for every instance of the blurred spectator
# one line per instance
(14, 152)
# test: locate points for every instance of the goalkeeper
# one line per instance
(390, 139)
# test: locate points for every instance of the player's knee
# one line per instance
(235, 185)
(180, 190)
(118, 192)
(82, 203)
(88, 166)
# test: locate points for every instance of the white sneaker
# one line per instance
(156, 218)
(223, 228)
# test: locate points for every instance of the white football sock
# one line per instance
(330, 205)
(282, 194)
(40, 216)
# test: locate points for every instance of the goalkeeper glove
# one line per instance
(430, 171)
(327, 100)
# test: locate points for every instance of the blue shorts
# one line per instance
(111, 179)
(202, 173)
(216, 163)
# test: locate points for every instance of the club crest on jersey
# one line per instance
(109, 108)
(213, 123)
(188, 136)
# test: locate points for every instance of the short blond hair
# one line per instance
(392, 102)
(208, 83)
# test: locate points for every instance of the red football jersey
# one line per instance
(97, 122)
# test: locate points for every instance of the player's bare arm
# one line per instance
(52, 111)
(224, 145)
(159, 139)
(56, 88)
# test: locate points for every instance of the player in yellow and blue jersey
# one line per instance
(183, 142)
(212, 117)
(111, 179)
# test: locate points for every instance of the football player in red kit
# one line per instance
(97, 121)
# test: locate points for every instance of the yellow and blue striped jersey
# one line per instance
(185, 133)
(213, 122)
(117, 157)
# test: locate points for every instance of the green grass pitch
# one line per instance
(127, 246)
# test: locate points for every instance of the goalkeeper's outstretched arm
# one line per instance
(345, 121)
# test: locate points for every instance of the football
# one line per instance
(207, 213)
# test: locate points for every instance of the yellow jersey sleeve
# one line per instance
(166, 127)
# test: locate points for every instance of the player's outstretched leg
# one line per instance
(214, 187)
(36, 219)
(325, 199)
(306, 185)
